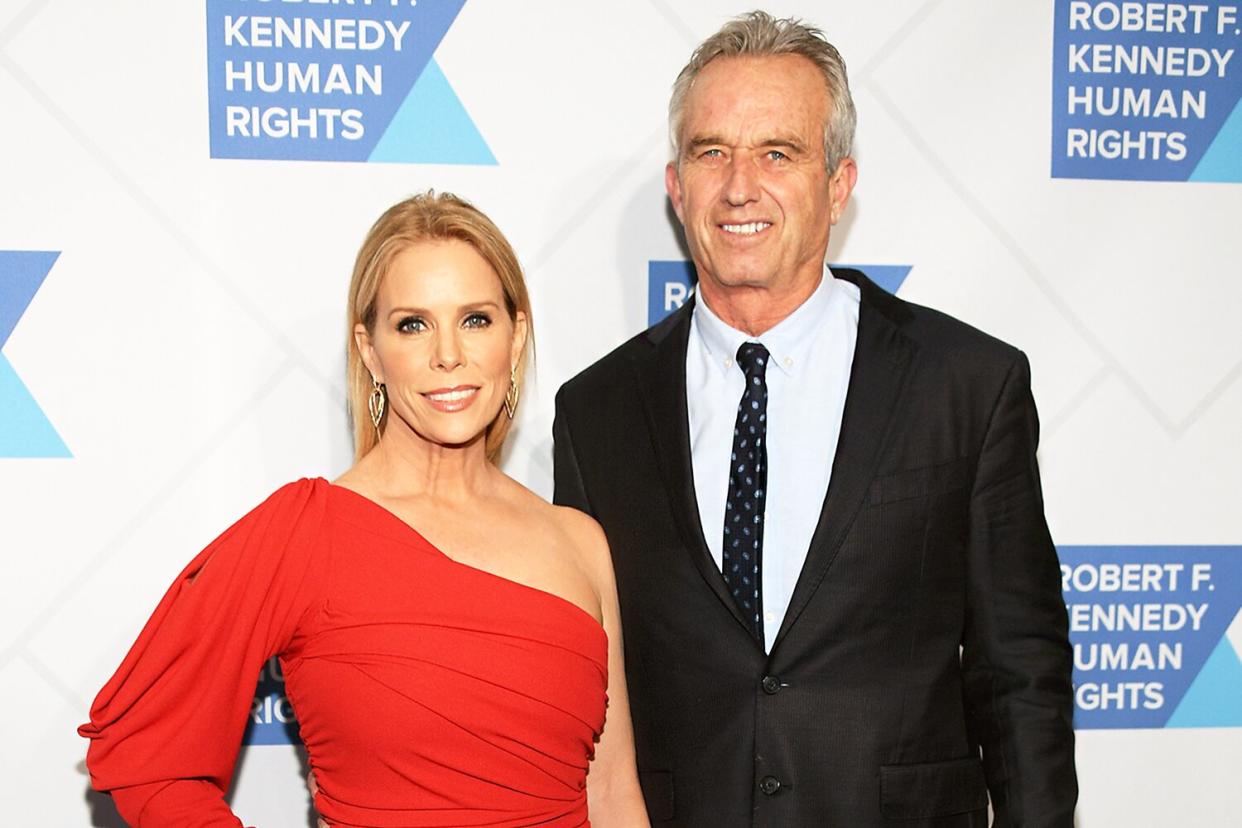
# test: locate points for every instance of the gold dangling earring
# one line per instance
(511, 396)
(377, 401)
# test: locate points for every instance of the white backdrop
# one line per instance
(187, 344)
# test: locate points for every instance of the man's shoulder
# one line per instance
(616, 368)
(937, 335)
(941, 333)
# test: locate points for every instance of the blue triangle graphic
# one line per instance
(889, 277)
(432, 127)
(1223, 159)
(21, 274)
(1215, 697)
(26, 432)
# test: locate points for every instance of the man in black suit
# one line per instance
(840, 600)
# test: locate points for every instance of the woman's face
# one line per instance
(443, 343)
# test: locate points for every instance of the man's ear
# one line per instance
(672, 185)
(840, 185)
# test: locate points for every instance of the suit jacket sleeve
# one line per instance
(568, 488)
(1016, 656)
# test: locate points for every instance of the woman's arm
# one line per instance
(613, 794)
(166, 729)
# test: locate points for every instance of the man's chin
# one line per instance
(741, 280)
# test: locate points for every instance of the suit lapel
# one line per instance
(882, 357)
(662, 380)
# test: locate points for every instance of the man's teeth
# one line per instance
(747, 229)
(452, 396)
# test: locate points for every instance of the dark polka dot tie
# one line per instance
(742, 558)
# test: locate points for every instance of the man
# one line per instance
(840, 601)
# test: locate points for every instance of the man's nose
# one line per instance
(742, 185)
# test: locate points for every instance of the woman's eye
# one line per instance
(476, 320)
(411, 324)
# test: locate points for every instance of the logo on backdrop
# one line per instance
(320, 82)
(1147, 91)
(271, 716)
(1149, 627)
(26, 432)
(669, 283)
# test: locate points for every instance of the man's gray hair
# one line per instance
(759, 34)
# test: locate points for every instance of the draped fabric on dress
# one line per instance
(429, 693)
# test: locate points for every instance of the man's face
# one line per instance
(750, 183)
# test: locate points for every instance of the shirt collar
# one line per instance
(789, 342)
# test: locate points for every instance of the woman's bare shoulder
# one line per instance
(583, 534)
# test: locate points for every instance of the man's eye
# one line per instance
(412, 324)
(777, 155)
(712, 153)
(476, 320)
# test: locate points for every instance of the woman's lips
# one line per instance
(451, 400)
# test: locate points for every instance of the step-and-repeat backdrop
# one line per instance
(183, 187)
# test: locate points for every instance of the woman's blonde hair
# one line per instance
(428, 216)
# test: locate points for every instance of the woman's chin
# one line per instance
(458, 437)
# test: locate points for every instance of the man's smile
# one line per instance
(749, 229)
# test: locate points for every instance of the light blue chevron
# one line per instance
(1215, 697)
(432, 127)
(24, 430)
(889, 277)
(1223, 159)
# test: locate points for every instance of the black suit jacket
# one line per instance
(923, 662)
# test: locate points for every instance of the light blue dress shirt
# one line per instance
(808, 375)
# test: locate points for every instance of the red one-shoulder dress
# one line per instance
(428, 692)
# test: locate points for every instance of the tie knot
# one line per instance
(752, 358)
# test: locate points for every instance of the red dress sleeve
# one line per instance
(166, 729)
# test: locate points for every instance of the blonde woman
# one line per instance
(450, 641)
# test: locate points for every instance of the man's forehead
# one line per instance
(759, 69)
(755, 100)
(778, 80)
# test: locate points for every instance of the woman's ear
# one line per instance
(362, 338)
(521, 330)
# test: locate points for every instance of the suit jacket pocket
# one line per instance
(658, 793)
(925, 480)
(932, 789)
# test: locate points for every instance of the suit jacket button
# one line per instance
(769, 785)
(771, 685)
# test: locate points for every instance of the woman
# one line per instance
(447, 636)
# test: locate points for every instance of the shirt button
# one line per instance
(788, 362)
(771, 685)
(728, 363)
(769, 785)
(769, 617)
